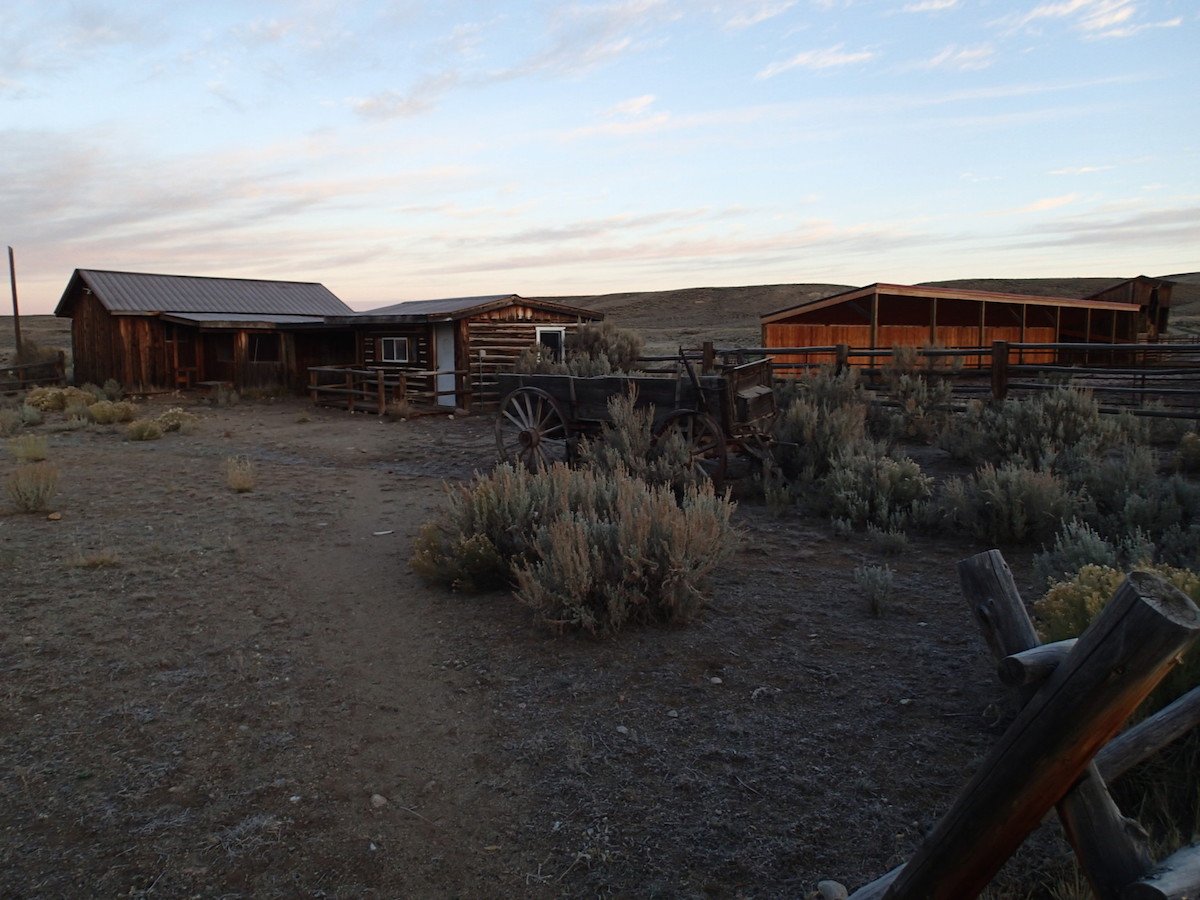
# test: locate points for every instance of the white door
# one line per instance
(444, 353)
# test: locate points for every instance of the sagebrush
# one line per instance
(31, 487)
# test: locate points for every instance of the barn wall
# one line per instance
(130, 349)
(420, 352)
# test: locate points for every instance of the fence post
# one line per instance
(842, 357)
(999, 370)
(380, 391)
(312, 386)
(708, 357)
(350, 390)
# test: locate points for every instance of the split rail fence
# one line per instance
(23, 377)
(1060, 752)
(375, 390)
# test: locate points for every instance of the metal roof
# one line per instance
(243, 318)
(137, 292)
(444, 307)
(939, 293)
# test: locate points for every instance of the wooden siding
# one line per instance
(420, 347)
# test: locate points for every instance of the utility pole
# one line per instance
(12, 275)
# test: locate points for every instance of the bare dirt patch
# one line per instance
(207, 692)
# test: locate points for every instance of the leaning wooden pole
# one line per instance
(1118, 661)
(12, 277)
(1110, 853)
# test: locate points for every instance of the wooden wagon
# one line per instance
(542, 417)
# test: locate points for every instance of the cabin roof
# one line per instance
(414, 311)
(143, 293)
(941, 293)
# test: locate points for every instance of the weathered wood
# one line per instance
(1035, 665)
(999, 370)
(1177, 878)
(1149, 736)
(12, 274)
(1119, 660)
(1109, 854)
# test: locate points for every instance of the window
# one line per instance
(393, 349)
(552, 339)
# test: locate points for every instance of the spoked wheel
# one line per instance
(531, 429)
(704, 440)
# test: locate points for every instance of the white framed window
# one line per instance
(393, 349)
(552, 339)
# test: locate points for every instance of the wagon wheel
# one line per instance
(531, 429)
(704, 439)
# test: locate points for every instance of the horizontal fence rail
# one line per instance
(376, 390)
(28, 375)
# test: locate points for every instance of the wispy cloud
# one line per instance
(757, 14)
(1096, 19)
(1079, 170)
(962, 59)
(1042, 205)
(1176, 226)
(924, 6)
(396, 105)
(827, 58)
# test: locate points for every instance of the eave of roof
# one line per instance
(452, 309)
(940, 293)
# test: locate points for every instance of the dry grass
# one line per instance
(144, 430)
(96, 559)
(239, 474)
(30, 487)
(28, 448)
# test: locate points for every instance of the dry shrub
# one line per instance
(144, 430)
(28, 448)
(112, 390)
(77, 414)
(46, 399)
(1187, 454)
(1010, 504)
(924, 407)
(106, 412)
(1035, 430)
(626, 443)
(32, 353)
(591, 349)
(240, 475)
(177, 419)
(399, 410)
(10, 421)
(31, 416)
(876, 583)
(587, 549)
(823, 414)
(868, 485)
(96, 559)
(30, 487)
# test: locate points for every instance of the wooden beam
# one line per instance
(1035, 665)
(1178, 878)
(1149, 736)
(874, 319)
(933, 322)
(1119, 660)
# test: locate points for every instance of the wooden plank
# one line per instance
(1177, 878)
(1035, 665)
(1118, 661)
(1149, 736)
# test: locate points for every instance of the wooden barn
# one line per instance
(464, 341)
(157, 332)
(880, 316)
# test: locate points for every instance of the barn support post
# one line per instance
(982, 326)
(349, 390)
(933, 322)
(999, 370)
(312, 386)
(842, 358)
(874, 319)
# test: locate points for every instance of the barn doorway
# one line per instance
(443, 333)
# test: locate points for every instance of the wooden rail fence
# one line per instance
(1059, 752)
(28, 375)
(375, 390)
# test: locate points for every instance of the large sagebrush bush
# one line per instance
(591, 349)
(1078, 544)
(822, 415)
(648, 552)
(867, 484)
(1008, 504)
(1033, 431)
(30, 487)
(626, 442)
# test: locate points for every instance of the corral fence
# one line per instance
(376, 389)
(1160, 379)
(29, 375)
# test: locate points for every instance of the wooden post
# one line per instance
(999, 370)
(350, 390)
(933, 322)
(12, 275)
(380, 391)
(842, 357)
(708, 357)
(874, 320)
(982, 326)
(1149, 736)
(1118, 661)
(1178, 878)
(312, 386)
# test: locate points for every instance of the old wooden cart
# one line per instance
(542, 416)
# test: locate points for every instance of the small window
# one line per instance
(552, 340)
(393, 349)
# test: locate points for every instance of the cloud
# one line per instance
(1042, 205)
(962, 59)
(1178, 227)
(1079, 170)
(634, 106)
(828, 58)
(930, 6)
(394, 105)
(1096, 19)
(756, 15)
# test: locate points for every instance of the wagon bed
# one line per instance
(542, 416)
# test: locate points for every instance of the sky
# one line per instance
(398, 150)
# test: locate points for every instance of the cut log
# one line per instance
(1178, 878)
(1120, 659)
(1149, 736)
(1035, 665)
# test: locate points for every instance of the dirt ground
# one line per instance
(206, 693)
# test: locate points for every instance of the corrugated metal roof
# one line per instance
(264, 318)
(139, 292)
(447, 306)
